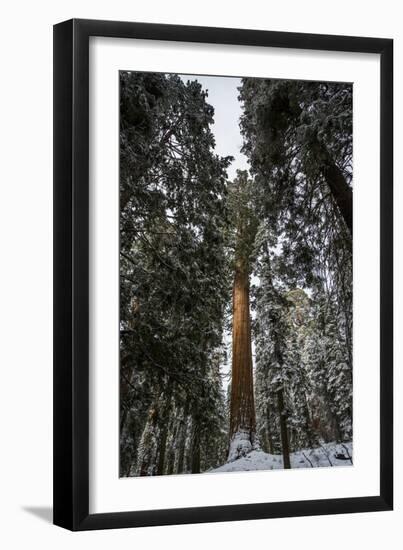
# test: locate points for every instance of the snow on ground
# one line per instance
(327, 455)
(240, 446)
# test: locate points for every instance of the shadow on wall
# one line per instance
(44, 513)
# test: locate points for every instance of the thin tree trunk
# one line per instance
(162, 448)
(283, 430)
(308, 422)
(336, 432)
(125, 383)
(341, 191)
(182, 439)
(268, 431)
(195, 449)
(147, 447)
(162, 443)
(172, 449)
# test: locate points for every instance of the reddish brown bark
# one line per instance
(242, 415)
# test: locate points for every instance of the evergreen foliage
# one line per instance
(280, 236)
(173, 272)
(303, 327)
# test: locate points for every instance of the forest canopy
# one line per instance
(252, 273)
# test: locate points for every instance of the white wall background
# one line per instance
(26, 274)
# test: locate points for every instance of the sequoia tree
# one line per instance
(242, 407)
(280, 235)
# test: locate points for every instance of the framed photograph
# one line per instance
(223, 237)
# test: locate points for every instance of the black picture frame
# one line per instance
(71, 274)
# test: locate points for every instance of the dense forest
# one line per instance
(253, 273)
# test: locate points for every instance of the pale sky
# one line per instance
(223, 96)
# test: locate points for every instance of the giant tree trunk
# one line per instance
(242, 411)
(283, 430)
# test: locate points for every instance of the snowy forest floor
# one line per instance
(319, 457)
